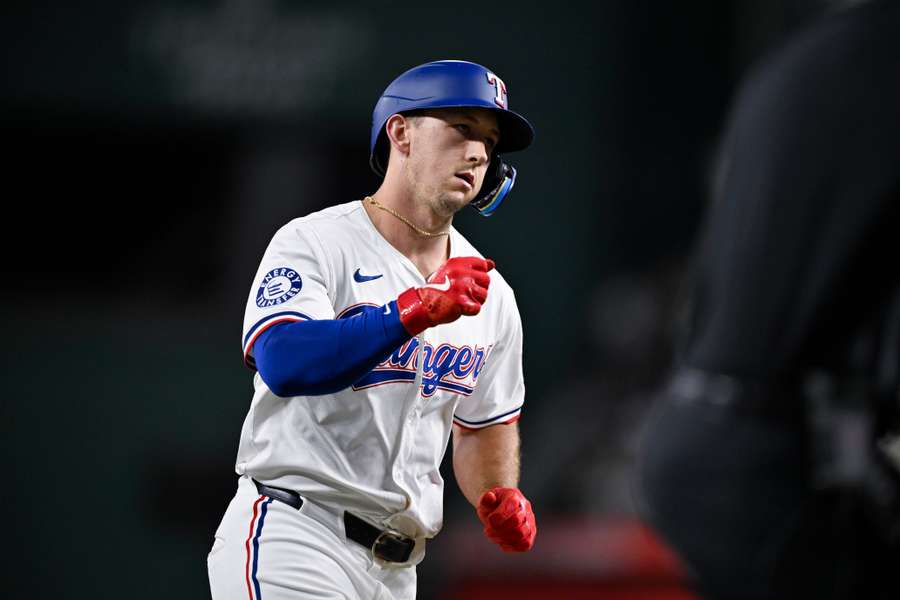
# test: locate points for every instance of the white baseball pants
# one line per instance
(267, 550)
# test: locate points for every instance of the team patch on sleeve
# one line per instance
(278, 286)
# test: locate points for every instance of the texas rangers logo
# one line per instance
(500, 98)
(278, 286)
(450, 368)
(447, 367)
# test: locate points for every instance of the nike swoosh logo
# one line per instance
(441, 287)
(387, 309)
(363, 278)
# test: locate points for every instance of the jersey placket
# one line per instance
(413, 408)
(402, 472)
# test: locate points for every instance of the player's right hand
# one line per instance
(458, 288)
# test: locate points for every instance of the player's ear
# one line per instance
(398, 130)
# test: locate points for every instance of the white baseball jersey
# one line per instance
(376, 447)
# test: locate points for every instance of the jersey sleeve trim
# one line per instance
(505, 418)
(263, 324)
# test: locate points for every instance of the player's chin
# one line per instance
(454, 200)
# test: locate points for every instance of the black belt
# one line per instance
(386, 545)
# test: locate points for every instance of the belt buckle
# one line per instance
(386, 536)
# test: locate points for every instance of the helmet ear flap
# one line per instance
(498, 181)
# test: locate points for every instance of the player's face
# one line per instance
(450, 150)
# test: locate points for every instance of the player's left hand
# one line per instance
(508, 519)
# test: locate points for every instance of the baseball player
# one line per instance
(375, 330)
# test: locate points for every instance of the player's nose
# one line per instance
(476, 152)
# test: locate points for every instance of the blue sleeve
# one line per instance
(310, 358)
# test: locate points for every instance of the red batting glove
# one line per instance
(459, 287)
(508, 519)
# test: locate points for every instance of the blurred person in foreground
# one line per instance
(770, 462)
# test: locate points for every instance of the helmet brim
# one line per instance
(516, 133)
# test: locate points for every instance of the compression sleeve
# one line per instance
(311, 358)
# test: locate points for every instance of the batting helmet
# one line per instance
(449, 84)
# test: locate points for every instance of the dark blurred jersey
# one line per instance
(802, 246)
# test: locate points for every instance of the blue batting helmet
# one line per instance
(449, 84)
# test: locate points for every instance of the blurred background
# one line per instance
(153, 148)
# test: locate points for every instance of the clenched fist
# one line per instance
(458, 288)
(508, 519)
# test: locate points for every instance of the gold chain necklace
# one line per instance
(418, 230)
